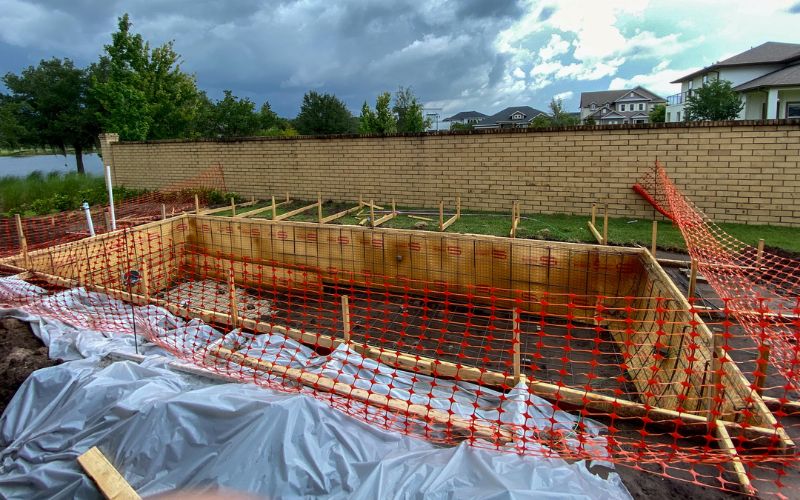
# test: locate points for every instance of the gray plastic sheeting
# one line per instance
(167, 430)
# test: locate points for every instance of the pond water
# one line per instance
(20, 166)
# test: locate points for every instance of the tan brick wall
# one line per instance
(734, 171)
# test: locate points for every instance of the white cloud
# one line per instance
(657, 80)
(555, 47)
(564, 95)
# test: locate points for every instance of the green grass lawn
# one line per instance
(555, 227)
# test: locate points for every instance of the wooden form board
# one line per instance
(109, 481)
(104, 259)
(521, 270)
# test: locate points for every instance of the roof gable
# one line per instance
(766, 53)
(505, 116)
(603, 97)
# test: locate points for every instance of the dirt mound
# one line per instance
(21, 353)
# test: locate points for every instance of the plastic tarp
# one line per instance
(165, 429)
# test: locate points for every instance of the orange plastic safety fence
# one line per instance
(48, 230)
(629, 379)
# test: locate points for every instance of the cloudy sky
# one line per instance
(455, 54)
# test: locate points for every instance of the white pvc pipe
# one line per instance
(88, 213)
(110, 190)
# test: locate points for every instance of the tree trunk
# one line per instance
(79, 159)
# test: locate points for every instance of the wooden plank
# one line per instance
(212, 211)
(385, 218)
(605, 224)
(295, 212)
(595, 233)
(257, 211)
(726, 443)
(463, 428)
(339, 215)
(108, 480)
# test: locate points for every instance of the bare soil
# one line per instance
(21, 353)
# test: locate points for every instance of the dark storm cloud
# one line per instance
(280, 50)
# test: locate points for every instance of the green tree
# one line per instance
(462, 126)
(142, 93)
(590, 121)
(230, 117)
(658, 114)
(541, 121)
(380, 121)
(323, 114)
(716, 100)
(12, 133)
(408, 112)
(50, 104)
(559, 117)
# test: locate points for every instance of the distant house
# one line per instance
(767, 77)
(513, 117)
(614, 107)
(465, 118)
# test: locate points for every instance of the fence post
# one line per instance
(655, 237)
(441, 215)
(234, 308)
(274, 209)
(760, 252)
(515, 343)
(319, 207)
(110, 189)
(605, 224)
(23, 242)
(233, 207)
(196, 204)
(346, 317)
(692, 280)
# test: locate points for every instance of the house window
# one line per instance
(793, 110)
(691, 82)
(517, 116)
(669, 116)
(678, 116)
(593, 106)
(641, 106)
(622, 107)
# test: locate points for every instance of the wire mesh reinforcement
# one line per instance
(538, 348)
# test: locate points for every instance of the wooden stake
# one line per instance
(761, 366)
(516, 345)
(458, 206)
(274, 209)
(107, 219)
(145, 280)
(163, 211)
(23, 242)
(594, 214)
(287, 196)
(196, 204)
(716, 378)
(233, 207)
(234, 308)
(319, 207)
(655, 237)
(692, 279)
(441, 215)
(394, 207)
(372, 213)
(760, 252)
(605, 224)
(109, 481)
(346, 317)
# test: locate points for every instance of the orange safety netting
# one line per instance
(47, 230)
(761, 289)
(585, 353)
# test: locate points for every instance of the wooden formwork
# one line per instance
(653, 333)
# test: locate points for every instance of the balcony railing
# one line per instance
(679, 98)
